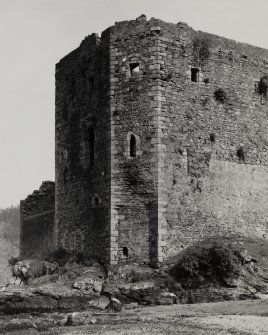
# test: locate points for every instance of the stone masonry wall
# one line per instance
(135, 112)
(37, 215)
(215, 162)
(158, 146)
(83, 148)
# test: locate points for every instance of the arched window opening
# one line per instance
(91, 140)
(132, 146)
(125, 251)
(134, 69)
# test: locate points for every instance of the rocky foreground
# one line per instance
(224, 318)
(78, 296)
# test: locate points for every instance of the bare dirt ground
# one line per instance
(226, 318)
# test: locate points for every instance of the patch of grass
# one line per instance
(201, 49)
(263, 85)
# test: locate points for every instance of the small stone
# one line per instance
(93, 321)
(115, 305)
(70, 319)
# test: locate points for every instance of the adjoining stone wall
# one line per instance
(37, 216)
(214, 152)
(83, 148)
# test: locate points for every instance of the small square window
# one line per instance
(195, 74)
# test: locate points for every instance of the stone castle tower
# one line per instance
(161, 141)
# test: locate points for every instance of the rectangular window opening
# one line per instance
(92, 82)
(194, 74)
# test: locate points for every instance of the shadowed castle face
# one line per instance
(161, 140)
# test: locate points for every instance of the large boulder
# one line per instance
(88, 285)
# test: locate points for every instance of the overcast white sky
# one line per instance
(35, 34)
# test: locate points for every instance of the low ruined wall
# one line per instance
(37, 222)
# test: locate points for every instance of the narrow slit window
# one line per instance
(132, 146)
(92, 82)
(134, 68)
(91, 138)
(194, 74)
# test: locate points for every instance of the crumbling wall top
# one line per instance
(40, 200)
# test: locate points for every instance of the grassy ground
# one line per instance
(7, 250)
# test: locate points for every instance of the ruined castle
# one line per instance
(161, 141)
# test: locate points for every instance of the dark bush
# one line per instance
(59, 256)
(263, 85)
(206, 263)
(13, 260)
(220, 95)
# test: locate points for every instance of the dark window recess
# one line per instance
(92, 82)
(65, 175)
(240, 153)
(132, 146)
(195, 74)
(91, 141)
(188, 161)
(212, 137)
(134, 68)
(95, 201)
(125, 251)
